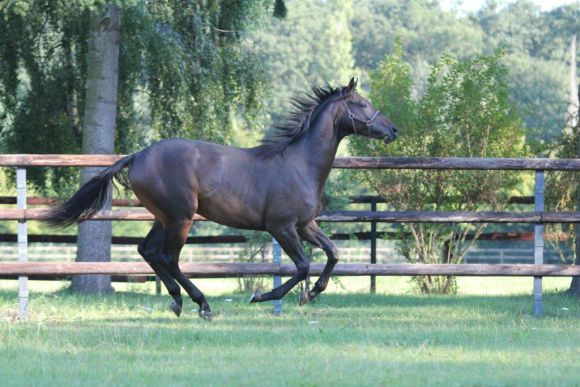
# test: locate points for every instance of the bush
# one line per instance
(464, 112)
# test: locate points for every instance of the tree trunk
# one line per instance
(94, 241)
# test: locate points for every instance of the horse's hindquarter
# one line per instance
(162, 177)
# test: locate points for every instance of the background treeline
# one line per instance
(353, 37)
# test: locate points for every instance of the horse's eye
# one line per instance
(363, 105)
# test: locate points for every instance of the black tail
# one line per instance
(88, 200)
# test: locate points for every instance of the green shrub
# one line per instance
(464, 112)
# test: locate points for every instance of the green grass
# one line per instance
(346, 338)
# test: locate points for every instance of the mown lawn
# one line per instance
(130, 338)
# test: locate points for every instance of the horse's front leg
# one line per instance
(289, 240)
(314, 235)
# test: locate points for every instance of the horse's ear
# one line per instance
(352, 84)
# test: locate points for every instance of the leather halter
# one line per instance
(367, 121)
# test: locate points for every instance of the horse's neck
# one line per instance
(319, 147)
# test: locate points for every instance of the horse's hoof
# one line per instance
(176, 308)
(304, 298)
(206, 315)
(256, 297)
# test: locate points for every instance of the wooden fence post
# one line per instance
(538, 241)
(22, 241)
(277, 259)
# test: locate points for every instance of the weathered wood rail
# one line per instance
(342, 216)
(538, 217)
(223, 270)
(466, 163)
(368, 199)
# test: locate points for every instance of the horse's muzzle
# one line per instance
(389, 139)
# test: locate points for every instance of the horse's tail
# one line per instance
(90, 198)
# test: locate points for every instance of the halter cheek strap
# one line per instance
(368, 122)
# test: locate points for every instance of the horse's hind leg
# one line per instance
(314, 235)
(150, 250)
(175, 237)
(290, 243)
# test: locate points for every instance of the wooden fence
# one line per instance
(538, 217)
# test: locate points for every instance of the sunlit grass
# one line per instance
(346, 338)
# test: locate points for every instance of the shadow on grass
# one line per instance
(335, 332)
(492, 303)
(373, 305)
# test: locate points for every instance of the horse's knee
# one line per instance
(302, 270)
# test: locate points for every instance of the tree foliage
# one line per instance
(298, 52)
(535, 43)
(464, 112)
(186, 69)
(564, 192)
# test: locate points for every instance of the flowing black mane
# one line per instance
(297, 122)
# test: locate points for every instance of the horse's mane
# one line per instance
(297, 122)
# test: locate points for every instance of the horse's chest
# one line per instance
(304, 207)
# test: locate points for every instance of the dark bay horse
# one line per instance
(276, 187)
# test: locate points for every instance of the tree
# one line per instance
(186, 69)
(185, 72)
(536, 43)
(40, 67)
(94, 240)
(298, 52)
(422, 26)
(464, 112)
(537, 92)
(565, 195)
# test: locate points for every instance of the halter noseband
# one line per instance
(368, 122)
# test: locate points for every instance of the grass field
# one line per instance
(346, 338)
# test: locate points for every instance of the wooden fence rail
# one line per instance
(368, 199)
(215, 239)
(343, 216)
(222, 270)
(466, 163)
(538, 217)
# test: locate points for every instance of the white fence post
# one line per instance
(538, 241)
(22, 241)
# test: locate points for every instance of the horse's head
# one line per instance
(359, 116)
